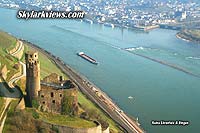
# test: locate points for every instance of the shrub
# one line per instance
(35, 103)
(54, 128)
(35, 115)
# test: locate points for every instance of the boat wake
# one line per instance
(141, 48)
(134, 48)
(193, 57)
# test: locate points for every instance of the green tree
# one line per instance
(67, 105)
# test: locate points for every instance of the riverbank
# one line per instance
(87, 88)
(113, 25)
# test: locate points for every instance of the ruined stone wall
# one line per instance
(65, 129)
(51, 99)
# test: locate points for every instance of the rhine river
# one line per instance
(159, 92)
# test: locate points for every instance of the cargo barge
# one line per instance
(86, 57)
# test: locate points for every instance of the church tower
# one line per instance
(32, 75)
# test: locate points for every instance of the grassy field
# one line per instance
(74, 122)
(87, 103)
(10, 113)
(32, 121)
(7, 42)
(13, 105)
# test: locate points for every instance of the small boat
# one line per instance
(130, 97)
(88, 58)
(137, 120)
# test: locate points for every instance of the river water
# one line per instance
(159, 92)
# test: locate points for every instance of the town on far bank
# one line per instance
(132, 14)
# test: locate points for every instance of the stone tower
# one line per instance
(32, 75)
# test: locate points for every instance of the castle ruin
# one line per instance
(51, 92)
(54, 94)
